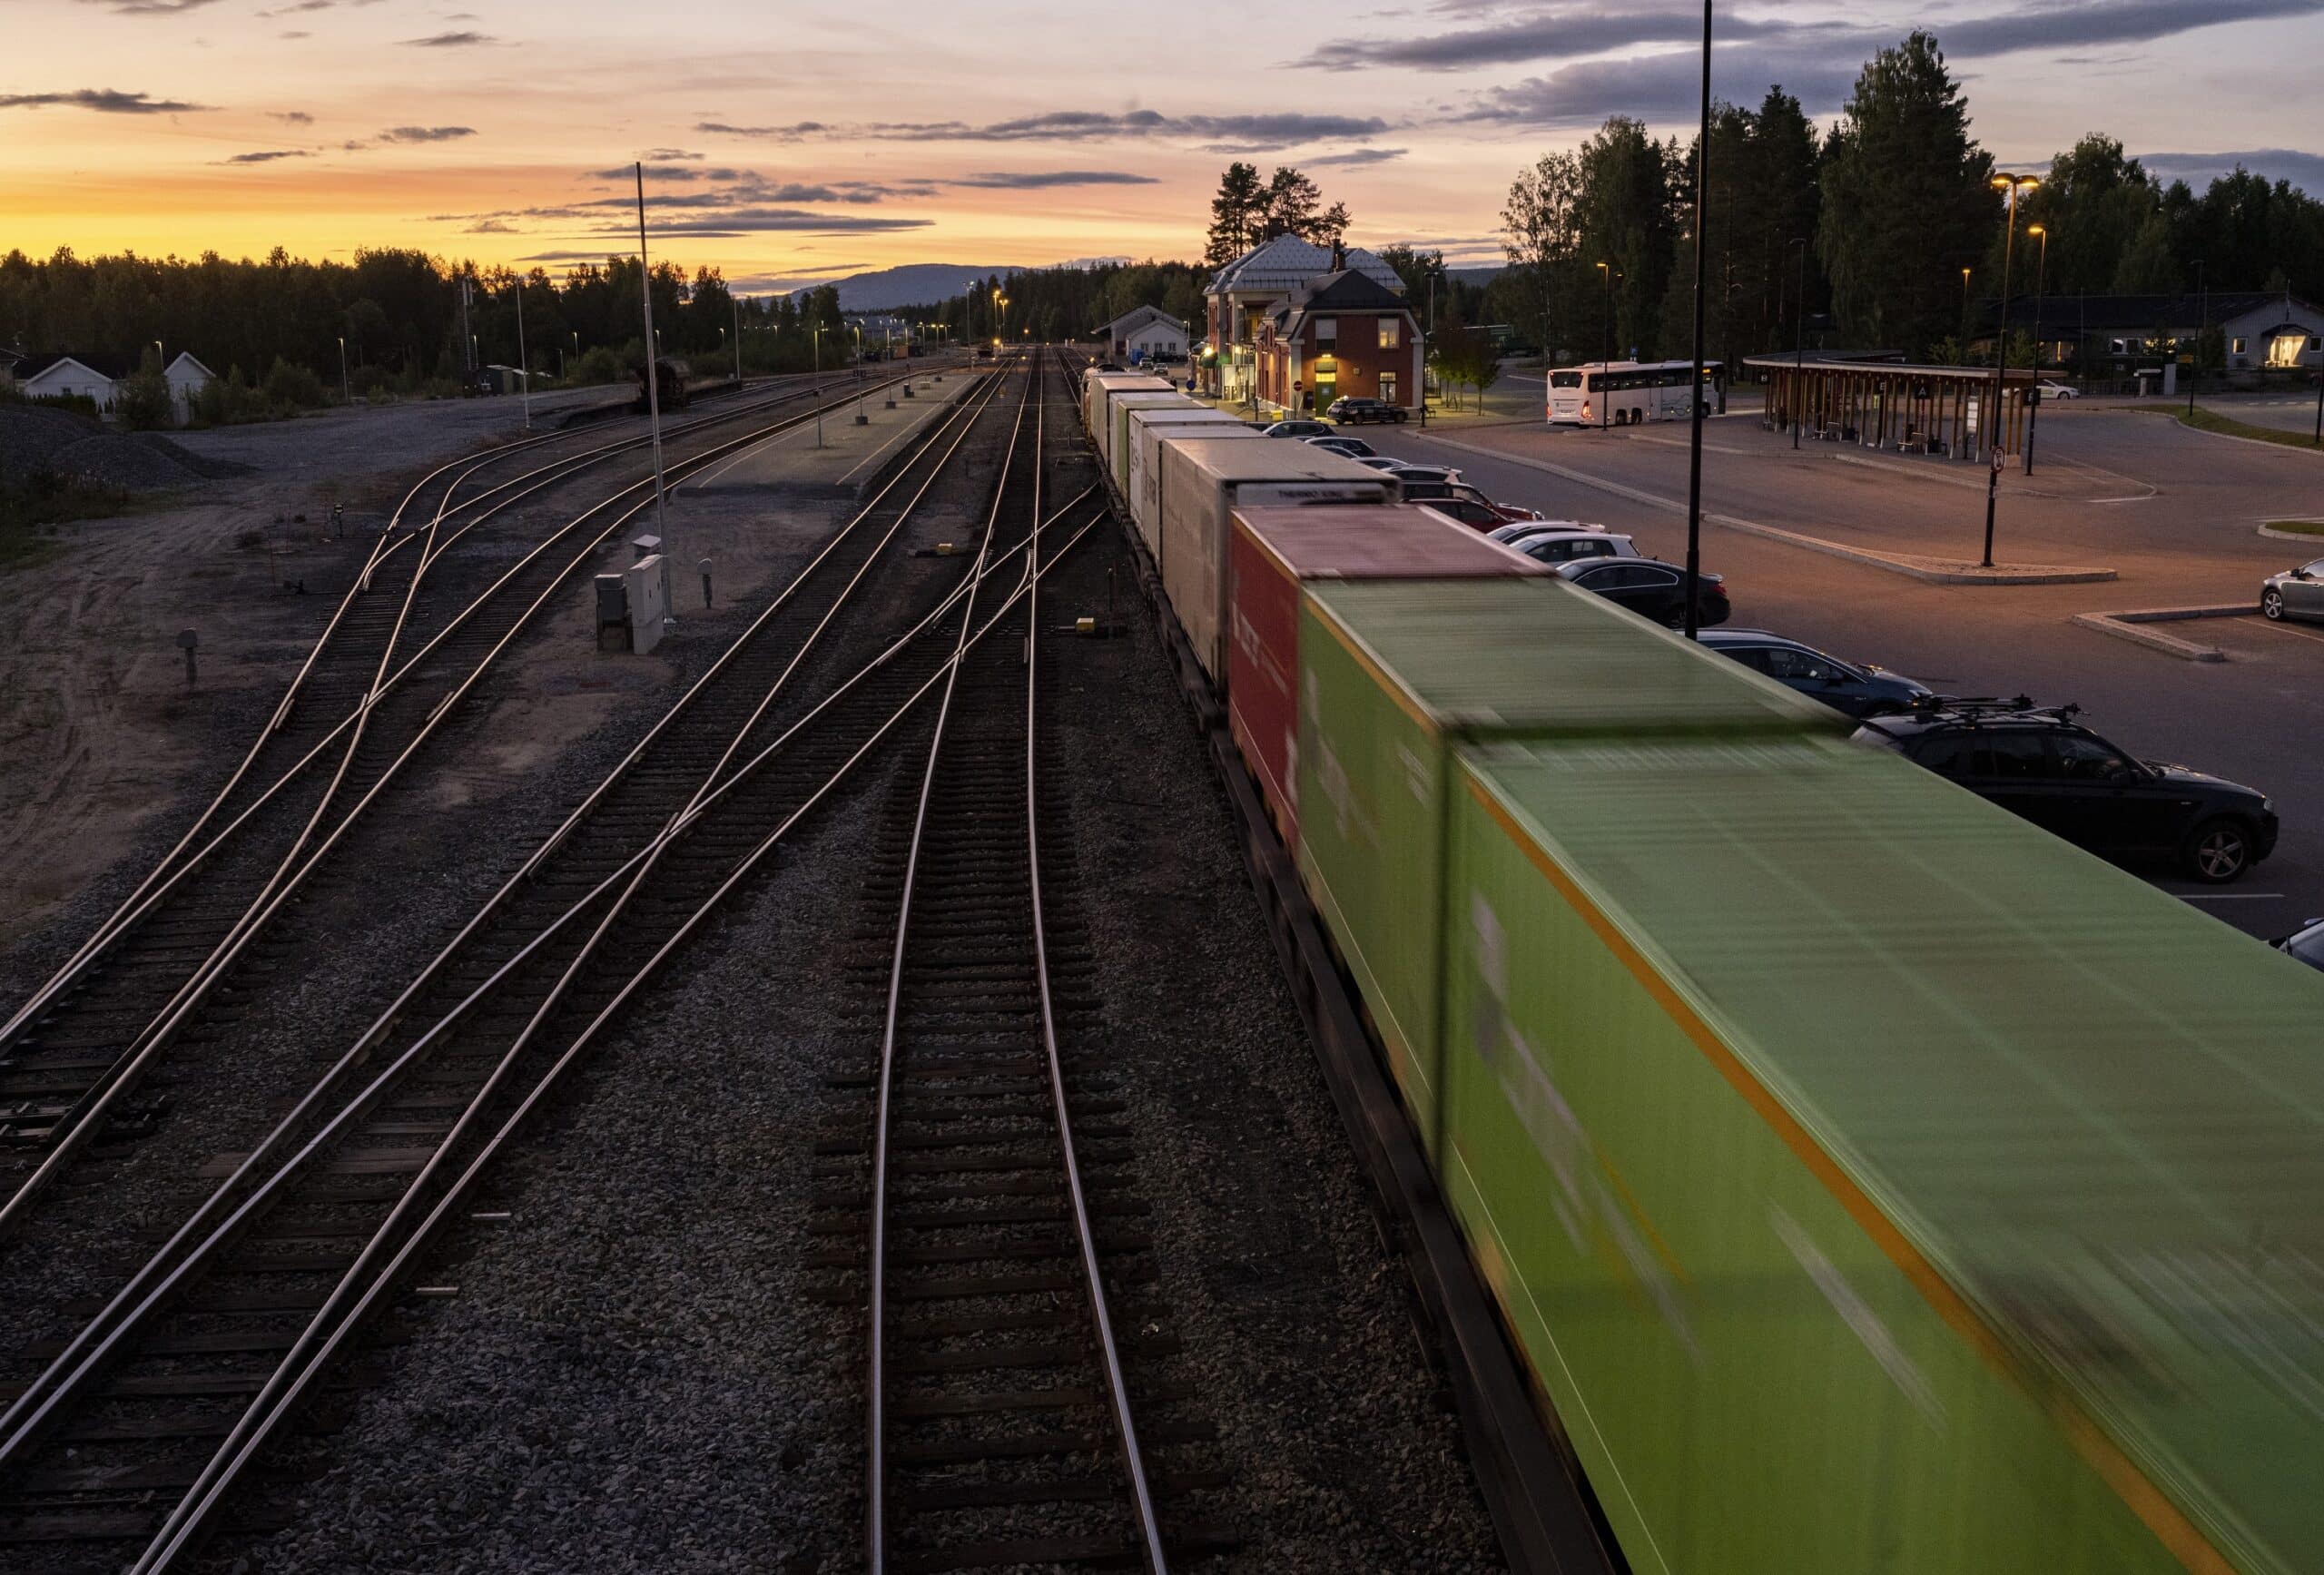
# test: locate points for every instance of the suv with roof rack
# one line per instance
(2039, 762)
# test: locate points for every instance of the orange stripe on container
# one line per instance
(2169, 1523)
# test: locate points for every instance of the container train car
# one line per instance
(1869, 1179)
(672, 378)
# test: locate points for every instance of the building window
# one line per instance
(2283, 350)
(1390, 330)
(1388, 386)
(1327, 330)
(2239, 346)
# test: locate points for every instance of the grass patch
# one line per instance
(2298, 527)
(2205, 420)
(30, 510)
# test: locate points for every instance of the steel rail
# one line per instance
(1084, 1233)
(84, 1119)
(286, 1389)
(875, 1420)
(55, 1375)
(138, 903)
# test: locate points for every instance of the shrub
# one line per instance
(293, 387)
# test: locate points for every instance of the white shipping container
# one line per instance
(1094, 392)
(1115, 450)
(1204, 481)
(1147, 431)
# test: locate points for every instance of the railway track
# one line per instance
(1005, 1412)
(140, 1426)
(356, 714)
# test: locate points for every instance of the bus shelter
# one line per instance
(1887, 405)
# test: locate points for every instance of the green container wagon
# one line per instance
(1393, 677)
(1876, 1182)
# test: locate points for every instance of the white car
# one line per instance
(2057, 390)
(1509, 533)
(1557, 547)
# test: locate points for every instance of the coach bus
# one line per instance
(1625, 393)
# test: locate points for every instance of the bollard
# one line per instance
(907, 390)
(188, 639)
(705, 566)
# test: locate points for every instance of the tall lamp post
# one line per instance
(1606, 344)
(1695, 386)
(653, 390)
(524, 363)
(2011, 184)
(2195, 366)
(2041, 284)
(1799, 344)
(1964, 317)
(346, 390)
(861, 418)
(818, 337)
(736, 303)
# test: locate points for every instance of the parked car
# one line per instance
(1298, 427)
(1380, 462)
(1557, 547)
(1650, 588)
(1434, 492)
(1354, 447)
(1468, 511)
(1408, 470)
(1535, 525)
(2305, 944)
(1859, 689)
(2040, 763)
(2295, 592)
(2052, 389)
(1352, 411)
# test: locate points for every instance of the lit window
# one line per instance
(1390, 330)
(2239, 346)
(2283, 350)
(1388, 386)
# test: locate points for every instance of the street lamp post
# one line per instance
(2012, 184)
(1695, 386)
(652, 384)
(861, 418)
(1964, 317)
(818, 337)
(346, 388)
(1799, 344)
(2195, 366)
(1606, 345)
(2041, 283)
(736, 303)
(524, 362)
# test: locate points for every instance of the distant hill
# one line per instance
(912, 284)
(1482, 273)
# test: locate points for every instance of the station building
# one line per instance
(1241, 295)
(1340, 335)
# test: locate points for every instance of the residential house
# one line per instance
(92, 374)
(186, 377)
(2113, 335)
(1148, 333)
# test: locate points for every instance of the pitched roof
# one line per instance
(1285, 262)
(103, 363)
(1132, 321)
(194, 360)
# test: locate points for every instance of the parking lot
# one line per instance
(2174, 514)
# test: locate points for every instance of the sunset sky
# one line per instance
(789, 142)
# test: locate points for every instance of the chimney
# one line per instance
(1339, 254)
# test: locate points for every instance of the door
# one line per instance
(2103, 801)
(2013, 768)
(1818, 677)
(1650, 590)
(2305, 597)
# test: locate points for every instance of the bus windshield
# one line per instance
(1565, 380)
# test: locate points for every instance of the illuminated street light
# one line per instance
(2041, 285)
(2012, 186)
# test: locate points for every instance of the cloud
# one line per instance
(271, 155)
(151, 7)
(295, 117)
(790, 133)
(670, 153)
(2199, 169)
(1248, 131)
(1041, 180)
(1663, 86)
(662, 173)
(741, 222)
(460, 40)
(1358, 156)
(1562, 32)
(423, 134)
(490, 227)
(104, 100)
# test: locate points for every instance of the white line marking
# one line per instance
(2295, 633)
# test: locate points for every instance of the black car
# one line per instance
(1352, 411)
(1861, 691)
(1650, 588)
(2042, 764)
(2305, 945)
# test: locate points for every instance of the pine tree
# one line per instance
(1293, 200)
(1237, 214)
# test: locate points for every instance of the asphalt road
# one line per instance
(2173, 512)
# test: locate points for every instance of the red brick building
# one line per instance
(1341, 336)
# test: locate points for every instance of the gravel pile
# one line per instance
(35, 438)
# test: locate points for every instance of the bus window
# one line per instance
(1566, 380)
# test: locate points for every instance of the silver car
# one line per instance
(2294, 594)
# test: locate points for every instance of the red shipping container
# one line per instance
(1271, 551)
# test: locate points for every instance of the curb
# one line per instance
(2127, 626)
(2313, 539)
(2180, 420)
(1935, 571)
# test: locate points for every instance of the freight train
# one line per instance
(672, 377)
(1870, 1180)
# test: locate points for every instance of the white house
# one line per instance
(1150, 333)
(186, 377)
(92, 373)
